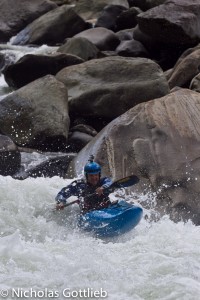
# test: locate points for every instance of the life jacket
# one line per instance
(94, 202)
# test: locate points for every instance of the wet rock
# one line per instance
(36, 115)
(10, 158)
(43, 164)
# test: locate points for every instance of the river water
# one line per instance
(43, 250)
(43, 255)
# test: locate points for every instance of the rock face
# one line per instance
(160, 142)
(10, 158)
(36, 115)
(110, 86)
(52, 28)
(31, 67)
(17, 14)
(175, 22)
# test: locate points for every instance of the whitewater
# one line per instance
(43, 250)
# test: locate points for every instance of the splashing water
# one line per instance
(43, 253)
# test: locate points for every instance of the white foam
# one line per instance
(43, 249)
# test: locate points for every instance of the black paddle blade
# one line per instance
(124, 182)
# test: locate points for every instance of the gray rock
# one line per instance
(158, 141)
(52, 28)
(110, 86)
(132, 49)
(10, 158)
(175, 22)
(92, 9)
(80, 47)
(31, 67)
(109, 15)
(36, 115)
(145, 4)
(125, 35)
(84, 128)
(78, 140)
(17, 14)
(186, 68)
(104, 39)
(44, 165)
(127, 19)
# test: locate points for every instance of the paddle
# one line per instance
(121, 183)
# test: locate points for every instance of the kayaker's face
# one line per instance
(93, 179)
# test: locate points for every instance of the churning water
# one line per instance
(43, 255)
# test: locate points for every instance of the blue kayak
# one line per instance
(116, 219)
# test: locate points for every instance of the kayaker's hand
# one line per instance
(60, 206)
(99, 191)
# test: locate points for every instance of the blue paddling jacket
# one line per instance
(81, 189)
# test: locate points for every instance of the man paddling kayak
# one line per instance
(93, 185)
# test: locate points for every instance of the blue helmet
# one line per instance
(92, 167)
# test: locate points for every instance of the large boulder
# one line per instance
(110, 86)
(36, 115)
(80, 47)
(31, 67)
(17, 14)
(52, 28)
(10, 158)
(103, 38)
(160, 142)
(92, 9)
(175, 22)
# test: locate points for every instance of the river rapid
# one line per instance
(43, 253)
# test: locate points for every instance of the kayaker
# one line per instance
(91, 184)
